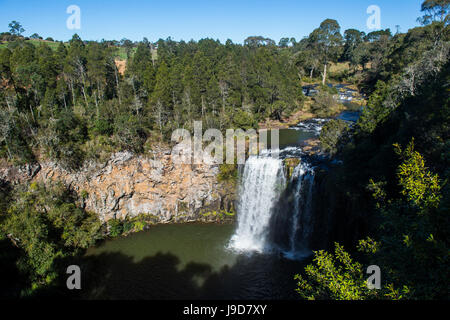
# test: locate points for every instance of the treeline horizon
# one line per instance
(283, 42)
(70, 102)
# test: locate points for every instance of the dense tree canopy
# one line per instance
(394, 171)
(78, 87)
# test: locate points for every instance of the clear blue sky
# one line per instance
(196, 19)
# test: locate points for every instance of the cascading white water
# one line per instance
(303, 177)
(262, 183)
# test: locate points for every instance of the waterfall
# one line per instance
(303, 180)
(273, 213)
(263, 181)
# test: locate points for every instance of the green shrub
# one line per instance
(227, 173)
(325, 105)
(115, 228)
(244, 120)
(339, 277)
(103, 127)
(128, 226)
(331, 134)
(139, 226)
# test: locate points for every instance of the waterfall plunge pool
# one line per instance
(186, 261)
(194, 261)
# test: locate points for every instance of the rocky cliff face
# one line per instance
(127, 186)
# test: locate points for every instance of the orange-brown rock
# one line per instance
(127, 186)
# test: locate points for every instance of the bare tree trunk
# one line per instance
(153, 56)
(72, 90)
(84, 95)
(82, 74)
(324, 79)
(117, 83)
(100, 91)
(30, 126)
(96, 105)
(203, 106)
(412, 87)
(137, 101)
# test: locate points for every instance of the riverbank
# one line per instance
(302, 114)
(346, 98)
(286, 122)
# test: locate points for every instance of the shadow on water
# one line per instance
(158, 277)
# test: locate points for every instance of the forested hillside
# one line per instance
(72, 103)
(69, 102)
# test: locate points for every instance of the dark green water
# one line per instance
(291, 137)
(186, 261)
(294, 138)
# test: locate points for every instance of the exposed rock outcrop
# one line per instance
(16, 175)
(127, 186)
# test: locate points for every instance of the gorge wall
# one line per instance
(128, 185)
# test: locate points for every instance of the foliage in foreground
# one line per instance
(339, 277)
(414, 231)
(46, 226)
(398, 196)
(412, 251)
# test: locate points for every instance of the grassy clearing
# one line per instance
(121, 53)
(53, 45)
(339, 67)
